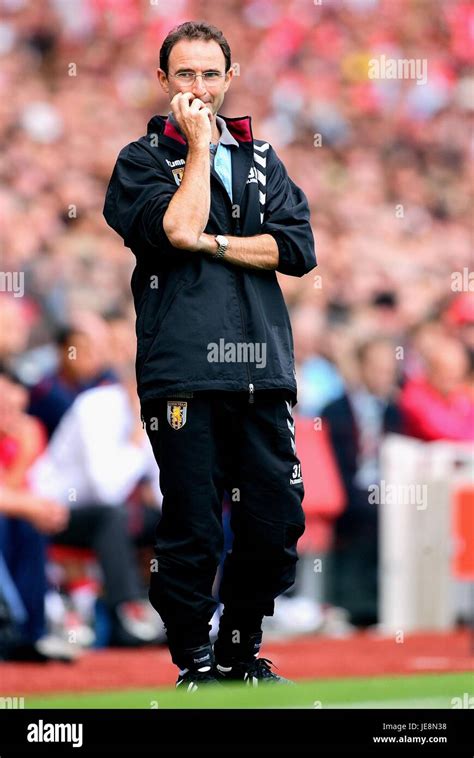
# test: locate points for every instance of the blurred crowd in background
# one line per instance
(383, 329)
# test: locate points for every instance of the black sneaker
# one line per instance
(191, 681)
(197, 665)
(252, 674)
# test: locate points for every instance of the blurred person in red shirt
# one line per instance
(438, 405)
(25, 519)
(459, 319)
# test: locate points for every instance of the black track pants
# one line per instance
(225, 443)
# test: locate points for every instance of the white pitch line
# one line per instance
(421, 702)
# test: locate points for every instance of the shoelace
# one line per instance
(260, 668)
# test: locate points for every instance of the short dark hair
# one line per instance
(64, 334)
(194, 30)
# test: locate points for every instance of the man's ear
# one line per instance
(163, 80)
(228, 78)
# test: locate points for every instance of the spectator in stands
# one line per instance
(98, 460)
(319, 381)
(422, 340)
(439, 405)
(122, 338)
(357, 423)
(459, 317)
(25, 519)
(14, 331)
(81, 366)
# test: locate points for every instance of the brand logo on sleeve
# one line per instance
(178, 162)
(177, 168)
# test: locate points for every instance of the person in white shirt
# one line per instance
(97, 459)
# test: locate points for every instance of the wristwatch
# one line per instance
(222, 245)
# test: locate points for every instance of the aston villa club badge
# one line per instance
(178, 175)
(176, 414)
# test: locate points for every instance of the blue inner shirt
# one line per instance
(222, 159)
(221, 154)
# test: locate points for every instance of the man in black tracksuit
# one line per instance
(215, 367)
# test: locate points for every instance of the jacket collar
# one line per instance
(239, 128)
(242, 160)
(226, 138)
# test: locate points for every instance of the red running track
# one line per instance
(305, 658)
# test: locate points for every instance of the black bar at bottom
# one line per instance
(289, 732)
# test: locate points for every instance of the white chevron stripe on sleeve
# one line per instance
(261, 148)
(261, 161)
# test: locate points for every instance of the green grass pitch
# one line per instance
(409, 691)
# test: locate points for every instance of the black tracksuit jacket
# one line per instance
(185, 300)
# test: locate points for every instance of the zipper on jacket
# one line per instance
(251, 393)
(251, 387)
(235, 223)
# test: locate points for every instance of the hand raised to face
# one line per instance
(194, 118)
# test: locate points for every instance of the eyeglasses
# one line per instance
(189, 77)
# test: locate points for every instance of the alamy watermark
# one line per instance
(399, 68)
(399, 494)
(12, 702)
(46, 732)
(237, 352)
(466, 701)
(13, 281)
(462, 281)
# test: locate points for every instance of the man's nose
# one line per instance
(198, 86)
